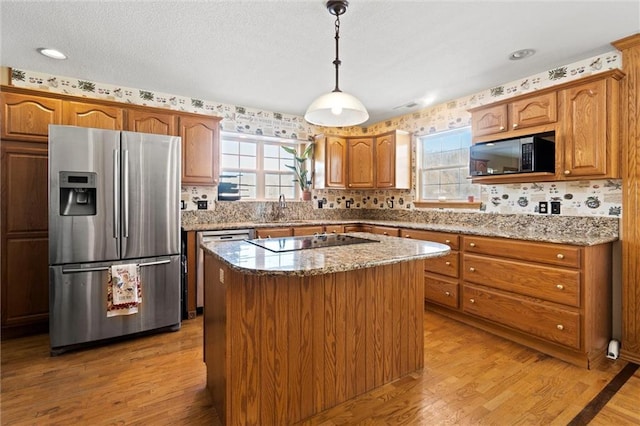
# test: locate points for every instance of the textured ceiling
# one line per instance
(277, 55)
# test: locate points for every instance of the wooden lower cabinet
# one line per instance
(274, 232)
(555, 298)
(307, 230)
(334, 229)
(24, 242)
(385, 230)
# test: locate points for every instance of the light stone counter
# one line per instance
(250, 259)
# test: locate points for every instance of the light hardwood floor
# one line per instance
(470, 377)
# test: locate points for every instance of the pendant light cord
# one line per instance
(337, 61)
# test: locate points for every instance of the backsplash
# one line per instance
(595, 198)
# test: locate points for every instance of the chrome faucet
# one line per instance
(281, 202)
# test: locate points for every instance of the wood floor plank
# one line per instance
(470, 377)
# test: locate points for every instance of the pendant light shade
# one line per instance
(336, 109)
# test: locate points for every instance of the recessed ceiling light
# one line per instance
(521, 54)
(52, 53)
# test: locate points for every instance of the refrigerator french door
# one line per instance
(114, 199)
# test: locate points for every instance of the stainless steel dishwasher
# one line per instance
(213, 236)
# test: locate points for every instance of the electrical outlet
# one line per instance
(203, 204)
(183, 205)
(555, 207)
(348, 204)
(543, 207)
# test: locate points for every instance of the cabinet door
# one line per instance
(589, 147)
(151, 122)
(360, 160)
(27, 117)
(533, 111)
(25, 276)
(336, 162)
(93, 115)
(490, 120)
(200, 150)
(385, 161)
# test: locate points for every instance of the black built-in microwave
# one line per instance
(520, 155)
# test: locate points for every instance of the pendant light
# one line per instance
(337, 108)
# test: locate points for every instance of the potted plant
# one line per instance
(299, 167)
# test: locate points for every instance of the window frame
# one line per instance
(462, 202)
(260, 172)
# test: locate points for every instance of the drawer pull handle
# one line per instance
(560, 287)
(472, 269)
(560, 327)
(407, 236)
(472, 300)
(447, 241)
(385, 233)
(560, 256)
(447, 293)
(501, 128)
(472, 244)
(447, 263)
(567, 172)
(515, 125)
(334, 232)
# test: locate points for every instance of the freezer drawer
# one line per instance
(78, 301)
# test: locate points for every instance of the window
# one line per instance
(256, 164)
(443, 166)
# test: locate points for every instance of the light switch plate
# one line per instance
(555, 207)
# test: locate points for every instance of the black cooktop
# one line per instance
(304, 242)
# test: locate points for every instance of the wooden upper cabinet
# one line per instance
(533, 111)
(385, 161)
(93, 115)
(336, 162)
(490, 120)
(361, 163)
(151, 122)
(590, 131)
(200, 150)
(508, 118)
(27, 117)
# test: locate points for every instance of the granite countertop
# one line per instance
(250, 259)
(549, 234)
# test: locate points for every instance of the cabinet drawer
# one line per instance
(543, 282)
(445, 265)
(307, 230)
(441, 291)
(555, 254)
(452, 240)
(549, 323)
(334, 229)
(385, 230)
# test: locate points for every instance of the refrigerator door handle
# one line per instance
(125, 179)
(116, 199)
(158, 262)
(78, 270)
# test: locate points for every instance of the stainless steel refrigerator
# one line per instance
(113, 200)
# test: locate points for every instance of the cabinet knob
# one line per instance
(515, 125)
(560, 287)
(447, 293)
(501, 128)
(385, 233)
(472, 269)
(334, 232)
(567, 172)
(407, 236)
(472, 300)
(447, 241)
(560, 327)
(268, 236)
(447, 263)
(560, 256)
(472, 244)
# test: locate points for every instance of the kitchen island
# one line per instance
(290, 334)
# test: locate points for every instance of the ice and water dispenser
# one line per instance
(77, 194)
